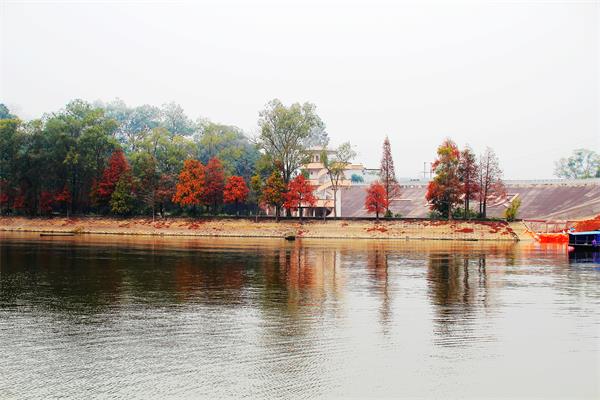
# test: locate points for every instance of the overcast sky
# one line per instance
(523, 79)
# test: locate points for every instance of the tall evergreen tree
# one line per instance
(387, 174)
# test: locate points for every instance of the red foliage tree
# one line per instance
(63, 198)
(20, 202)
(299, 194)
(117, 165)
(46, 201)
(190, 187)
(214, 184)
(444, 191)
(468, 176)
(165, 190)
(236, 191)
(376, 200)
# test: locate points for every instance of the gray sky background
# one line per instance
(521, 78)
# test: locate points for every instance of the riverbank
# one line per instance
(359, 229)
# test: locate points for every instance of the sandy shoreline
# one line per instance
(410, 229)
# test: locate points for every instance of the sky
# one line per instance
(522, 78)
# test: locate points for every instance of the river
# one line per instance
(150, 317)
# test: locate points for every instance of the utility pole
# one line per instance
(425, 172)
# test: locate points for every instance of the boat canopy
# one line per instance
(585, 233)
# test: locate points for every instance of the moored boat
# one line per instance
(585, 240)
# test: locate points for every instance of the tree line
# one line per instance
(109, 158)
(460, 178)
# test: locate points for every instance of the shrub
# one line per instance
(513, 209)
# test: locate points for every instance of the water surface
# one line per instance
(123, 317)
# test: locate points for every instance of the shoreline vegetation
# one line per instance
(457, 230)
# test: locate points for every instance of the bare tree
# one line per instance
(490, 179)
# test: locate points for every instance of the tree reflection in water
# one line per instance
(459, 290)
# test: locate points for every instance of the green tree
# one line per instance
(11, 142)
(174, 119)
(513, 209)
(287, 132)
(230, 145)
(168, 150)
(122, 199)
(134, 123)
(5, 113)
(582, 164)
(146, 180)
(78, 141)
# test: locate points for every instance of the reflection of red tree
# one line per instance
(377, 263)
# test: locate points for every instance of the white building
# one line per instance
(354, 174)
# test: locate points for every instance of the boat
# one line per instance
(585, 240)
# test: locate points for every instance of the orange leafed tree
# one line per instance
(236, 191)
(299, 194)
(273, 192)
(376, 200)
(190, 187)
